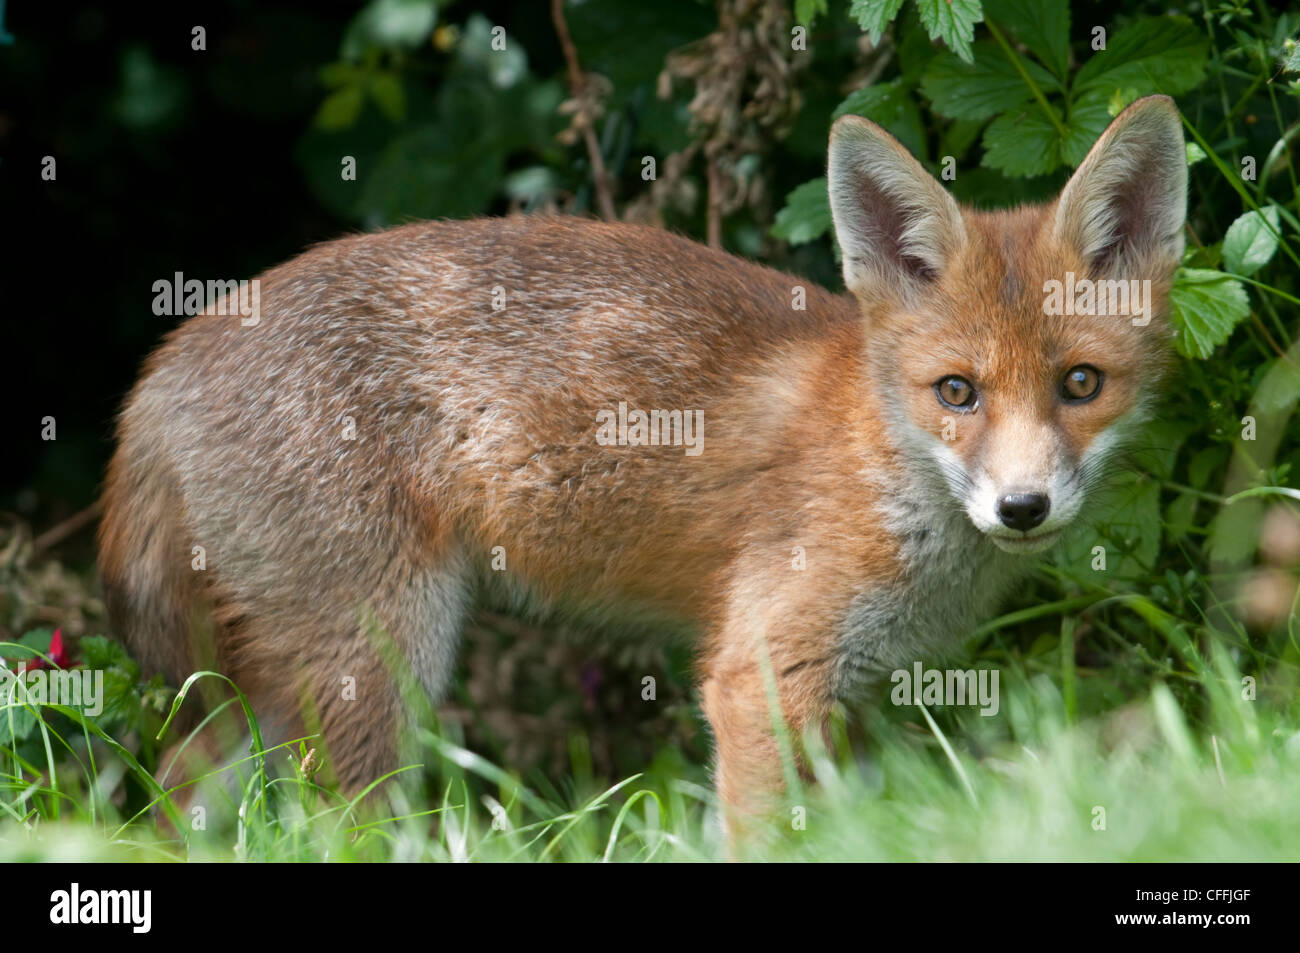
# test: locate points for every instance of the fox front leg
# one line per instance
(753, 688)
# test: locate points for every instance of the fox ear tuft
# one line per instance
(895, 224)
(1124, 208)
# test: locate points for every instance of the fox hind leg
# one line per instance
(370, 685)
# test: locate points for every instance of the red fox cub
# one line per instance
(573, 413)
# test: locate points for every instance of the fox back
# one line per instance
(613, 419)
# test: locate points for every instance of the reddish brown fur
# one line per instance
(557, 502)
(476, 429)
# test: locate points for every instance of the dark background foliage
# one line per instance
(212, 163)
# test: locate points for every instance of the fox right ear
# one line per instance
(895, 224)
(1123, 209)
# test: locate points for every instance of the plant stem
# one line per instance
(1029, 80)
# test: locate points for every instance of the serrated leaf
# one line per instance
(807, 214)
(1025, 142)
(1043, 26)
(1135, 523)
(1204, 307)
(1154, 55)
(981, 89)
(890, 105)
(913, 47)
(805, 11)
(874, 16)
(98, 651)
(1124, 518)
(952, 21)
(1022, 142)
(1250, 242)
(1088, 119)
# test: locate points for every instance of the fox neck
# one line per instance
(950, 577)
(948, 574)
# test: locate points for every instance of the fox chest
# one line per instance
(952, 580)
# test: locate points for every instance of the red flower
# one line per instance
(57, 653)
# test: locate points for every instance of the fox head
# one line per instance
(1012, 350)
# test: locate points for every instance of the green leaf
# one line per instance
(952, 21)
(1279, 390)
(1250, 241)
(890, 105)
(1234, 532)
(1204, 307)
(627, 42)
(334, 75)
(1155, 55)
(1194, 154)
(982, 186)
(425, 173)
(151, 94)
(1120, 100)
(1163, 436)
(386, 90)
(1206, 462)
(960, 135)
(1043, 26)
(914, 48)
(38, 640)
(1125, 519)
(982, 88)
(1180, 516)
(475, 52)
(807, 214)
(340, 108)
(1022, 142)
(1134, 524)
(874, 15)
(805, 11)
(389, 24)
(532, 186)
(1089, 117)
(97, 651)
(1291, 59)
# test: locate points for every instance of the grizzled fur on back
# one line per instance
(474, 428)
(414, 422)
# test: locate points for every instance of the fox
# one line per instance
(818, 488)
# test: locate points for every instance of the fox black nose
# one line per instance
(1023, 511)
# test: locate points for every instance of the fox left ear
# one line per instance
(1124, 208)
(897, 227)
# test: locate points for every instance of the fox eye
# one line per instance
(957, 393)
(1082, 383)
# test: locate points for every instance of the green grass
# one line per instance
(1184, 769)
